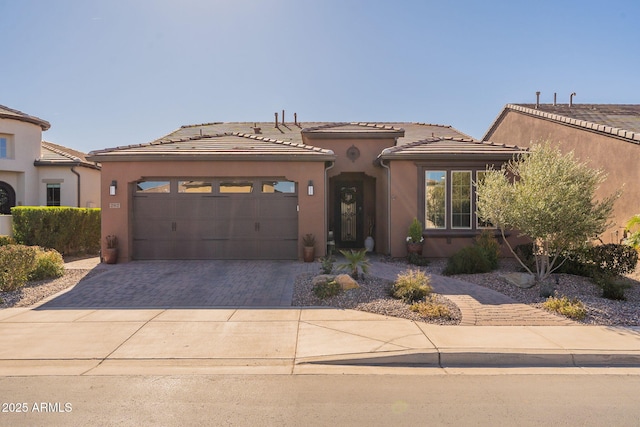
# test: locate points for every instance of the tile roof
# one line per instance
(449, 147)
(246, 139)
(217, 146)
(56, 155)
(10, 113)
(620, 121)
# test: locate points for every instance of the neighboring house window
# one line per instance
(6, 146)
(461, 199)
(435, 199)
(53, 194)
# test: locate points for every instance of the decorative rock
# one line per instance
(322, 279)
(521, 280)
(346, 282)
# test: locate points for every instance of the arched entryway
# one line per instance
(351, 209)
(7, 198)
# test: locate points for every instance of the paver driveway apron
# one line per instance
(186, 284)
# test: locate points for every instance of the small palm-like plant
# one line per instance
(633, 238)
(356, 261)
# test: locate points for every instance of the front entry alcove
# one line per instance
(352, 209)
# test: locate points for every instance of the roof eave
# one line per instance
(192, 157)
(453, 156)
(377, 134)
(67, 164)
(45, 125)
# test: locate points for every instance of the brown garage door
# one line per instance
(215, 219)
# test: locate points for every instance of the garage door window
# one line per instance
(194, 187)
(153, 187)
(236, 187)
(284, 187)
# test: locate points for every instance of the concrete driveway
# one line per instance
(185, 284)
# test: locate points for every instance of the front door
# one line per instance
(348, 216)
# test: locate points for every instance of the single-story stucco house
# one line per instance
(34, 172)
(253, 190)
(605, 136)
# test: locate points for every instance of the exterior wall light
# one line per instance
(310, 188)
(112, 187)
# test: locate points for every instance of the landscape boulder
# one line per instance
(346, 282)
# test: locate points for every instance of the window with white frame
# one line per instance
(461, 199)
(435, 200)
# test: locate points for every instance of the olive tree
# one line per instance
(550, 198)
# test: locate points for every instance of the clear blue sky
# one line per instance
(118, 72)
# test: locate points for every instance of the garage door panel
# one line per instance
(153, 249)
(215, 226)
(278, 228)
(153, 207)
(196, 207)
(277, 249)
(151, 229)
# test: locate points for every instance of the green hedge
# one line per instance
(65, 229)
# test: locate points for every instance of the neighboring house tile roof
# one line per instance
(219, 146)
(56, 155)
(450, 148)
(10, 113)
(620, 121)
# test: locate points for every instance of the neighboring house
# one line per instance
(38, 173)
(253, 190)
(607, 137)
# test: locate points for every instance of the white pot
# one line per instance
(369, 243)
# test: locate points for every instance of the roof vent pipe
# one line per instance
(571, 99)
(555, 99)
(276, 119)
(537, 100)
(282, 116)
(295, 119)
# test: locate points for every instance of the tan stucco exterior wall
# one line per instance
(19, 171)
(116, 210)
(617, 157)
(89, 185)
(365, 163)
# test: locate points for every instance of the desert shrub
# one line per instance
(415, 259)
(326, 264)
(431, 309)
(65, 229)
(411, 285)
(489, 244)
(614, 259)
(16, 262)
(525, 254)
(468, 260)
(573, 309)
(612, 287)
(356, 261)
(49, 264)
(7, 240)
(327, 289)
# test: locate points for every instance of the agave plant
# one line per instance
(356, 261)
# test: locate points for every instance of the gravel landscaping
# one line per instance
(373, 294)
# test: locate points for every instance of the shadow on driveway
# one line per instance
(185, 284)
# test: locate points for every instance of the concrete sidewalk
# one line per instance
(287, 341)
